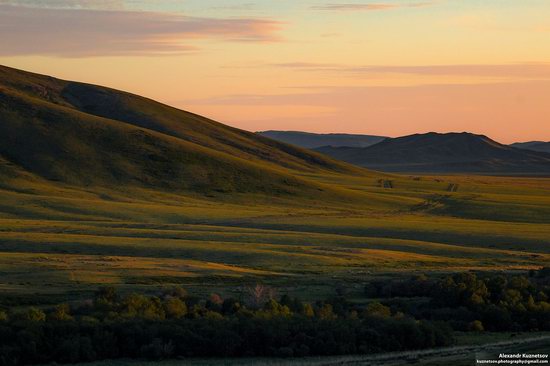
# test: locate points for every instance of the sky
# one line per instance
(385, 67)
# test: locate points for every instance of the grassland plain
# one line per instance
(99, 186)
(64, 241)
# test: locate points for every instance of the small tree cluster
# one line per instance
(172, 324)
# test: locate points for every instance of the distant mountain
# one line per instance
(88, 135)
(444, 153)
(314, 140)
(533, 145)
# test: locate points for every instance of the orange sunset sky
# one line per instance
(374, 67)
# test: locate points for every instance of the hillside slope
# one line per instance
(146, 113)
(89, 135)
(533, 145)
(440, 153)
(314, 140)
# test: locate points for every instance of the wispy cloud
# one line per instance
(244, 6)
(369, 6)
(70, 4)
(94, 4)
(83, 32)
(534, 70)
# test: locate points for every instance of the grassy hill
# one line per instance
(444, 153)
(89, 135)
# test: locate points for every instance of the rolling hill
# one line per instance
(313, 140)
(444, 153)
(87, 135)
(533, 145)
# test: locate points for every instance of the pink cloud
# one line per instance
(76, 4)
(533, 70)
(368, 7)
(83, 32)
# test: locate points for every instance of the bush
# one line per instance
(476, 326)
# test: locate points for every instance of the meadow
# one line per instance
(61, 242)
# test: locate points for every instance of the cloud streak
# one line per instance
(71, 4)
(521, 70)
(369, 6)
(84, 32)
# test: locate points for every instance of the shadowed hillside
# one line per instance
(89, 135)
(314, 140)
(533, 145)
(442, 153)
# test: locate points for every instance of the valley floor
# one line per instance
(65, 242)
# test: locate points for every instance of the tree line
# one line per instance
(472, 302)
(175, 325)
(395, 315)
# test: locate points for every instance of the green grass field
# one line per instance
(58, 240)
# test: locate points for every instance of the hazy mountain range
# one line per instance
(533, 145)
(444, 153)
(431, 152)
(314, 140)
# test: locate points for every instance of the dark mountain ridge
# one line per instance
(440, 153)
(313, 140)
(542, 146)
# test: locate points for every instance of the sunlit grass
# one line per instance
(73, 239)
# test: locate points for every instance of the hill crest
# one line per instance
(443, 152)
(542, 146)
(311, 140)
(90, 135)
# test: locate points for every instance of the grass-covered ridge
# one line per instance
(88, 135)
